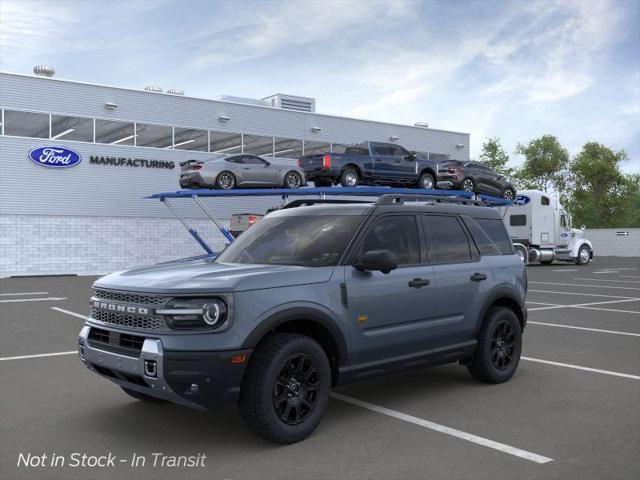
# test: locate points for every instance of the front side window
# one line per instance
(253, 160)
(397, 233)
(310, 241)
(448, 241)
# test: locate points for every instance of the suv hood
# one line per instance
(204, 276)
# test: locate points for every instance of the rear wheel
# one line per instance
(293, 179)
(427, 181)
(584, 255)
(508, 194)
(499, 347)
(285, 390)
(141, 396)
(225, 180)
(468, 185)
(349, 178)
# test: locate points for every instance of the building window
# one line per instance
(26, 124)
(287, 148)
(316, 148)
(258, 145)
(115, 133)
(71, 128)
(156, 136)
(226, 143)
(191, 139)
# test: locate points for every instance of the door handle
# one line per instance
(419, 282)
(478, 277)
(246, 168)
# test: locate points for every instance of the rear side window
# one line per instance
(493, 240)
(447, 241)
(398, 233)
(518, 220)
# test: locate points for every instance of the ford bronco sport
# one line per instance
(309, 298)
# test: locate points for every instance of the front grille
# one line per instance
(128, 320)
(116, 342)
(130, 298)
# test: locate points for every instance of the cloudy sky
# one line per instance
(515, 70)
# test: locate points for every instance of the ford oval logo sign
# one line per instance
(521, 200)
(55, 157)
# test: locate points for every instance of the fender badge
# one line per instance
(362, 319)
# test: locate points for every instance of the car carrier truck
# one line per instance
(541, 230)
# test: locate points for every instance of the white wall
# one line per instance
(607, 242)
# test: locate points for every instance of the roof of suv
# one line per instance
(412, 207)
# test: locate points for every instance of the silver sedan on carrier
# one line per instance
(231, 171)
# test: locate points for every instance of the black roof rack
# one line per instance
(393, 199)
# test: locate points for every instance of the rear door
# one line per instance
(461, 277)
(383, 160)
(390, 314)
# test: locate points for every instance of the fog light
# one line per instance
(194, 388)
(81, 352)
(150, 368)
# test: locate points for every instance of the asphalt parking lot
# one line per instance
(571, 411)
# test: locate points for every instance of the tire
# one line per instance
(468, 185)
(141, 396)
(500, 334)
(509, 194)
(349, 178)
(225, 180)
(276, 402)
(523, 253)
(546, 262)
(427, 181)
(292, 179)
(322, 182)
(584, 255)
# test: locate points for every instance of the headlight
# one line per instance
(195, 313)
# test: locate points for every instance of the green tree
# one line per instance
(495, 157)
(598, 194)
(545, 164)
(631, 203)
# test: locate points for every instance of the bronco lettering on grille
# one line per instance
(114, 307)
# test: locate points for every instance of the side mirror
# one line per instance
(411, 156)
(377, 260)
(583, 228)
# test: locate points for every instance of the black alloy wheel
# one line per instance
(296, 390)
(502, 345)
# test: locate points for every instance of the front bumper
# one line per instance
(199, 380)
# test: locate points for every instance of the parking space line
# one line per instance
(540, 303)
(22, 357)
(580, 367)
(48, 299)
(629, 276)
(73, 314)
(552, 306)
(566, 270)
(581, 294)
(586, 286)
(609, 309)
(22, 293)
(615, 332)
(603, 280)
(443, 429)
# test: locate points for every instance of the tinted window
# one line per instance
(71, 128)
(545, 200)
(448, 241)
(238, 159)
(398, 151)
(518, 220)
(114, 132)
(311, 241)
(397, 233)
(357, 151)
(490, 236)
(383, 150)
(252, 160)
(157, 136)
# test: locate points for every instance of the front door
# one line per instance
(390, 314)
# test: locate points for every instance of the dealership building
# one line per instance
(91, 217)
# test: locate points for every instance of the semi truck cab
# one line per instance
(541, 230)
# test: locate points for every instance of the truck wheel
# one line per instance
(225, 180)
(523, 253)
(141, 396)
(583, 255)
(285, 390)
(426, 181)
(499, 347)
(468, 185)
(349, 178)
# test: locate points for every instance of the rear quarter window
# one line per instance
(490, 236)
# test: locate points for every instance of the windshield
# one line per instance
(313, 241)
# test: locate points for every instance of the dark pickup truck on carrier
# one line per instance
(370, 163)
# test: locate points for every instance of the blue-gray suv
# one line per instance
(312, 297)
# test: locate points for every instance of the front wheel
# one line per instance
(426, 181)
(285, 390)
(583, 255)
(468, 185)
(522, 252)
(499, 347)
(293, 179)
(225, 180)
(509, 194)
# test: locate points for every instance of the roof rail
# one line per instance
(392, 199)
(315, 201)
